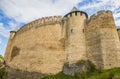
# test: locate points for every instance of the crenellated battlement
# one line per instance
(76, 13)
(40, 22)
(104, 12)
(100, 14)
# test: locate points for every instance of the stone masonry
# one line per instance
(44, 45)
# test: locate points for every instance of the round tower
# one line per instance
(73, 27)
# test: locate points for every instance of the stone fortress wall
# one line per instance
(44, 45)
(102, 40)
(40, 47)
(40, 22)
(118, 30)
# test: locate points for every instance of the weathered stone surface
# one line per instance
(44, 45)
(78, 67)
(21, 74)
(45, 51)
(102, 40)
(75, 36)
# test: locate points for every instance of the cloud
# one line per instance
(0, 18)
(24, 11)
(100, 4)
(93, 6)
(28, 10)
(5, 31)
(0, 40)
(14, 26)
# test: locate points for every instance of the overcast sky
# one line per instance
(15, 13)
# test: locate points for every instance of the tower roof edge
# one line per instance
(74, 9)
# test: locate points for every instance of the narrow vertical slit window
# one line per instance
(83, 30)
(75, 13)
(70, 14)
(81, 13)
(71, 30)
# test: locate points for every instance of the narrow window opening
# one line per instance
(83, 30)
(70, 14)
(71, 30)
(76, 13)
(81, 13)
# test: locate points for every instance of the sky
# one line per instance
(15, 13)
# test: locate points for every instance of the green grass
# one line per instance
(3, 74)
(105, 74)
(98, 74)
(1, 57)
(59, 76)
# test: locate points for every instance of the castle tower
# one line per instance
(9, 46)
(102, 40)
(109, 40)
(73, 27)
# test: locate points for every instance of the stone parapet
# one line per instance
(99, 14)
(40, 22)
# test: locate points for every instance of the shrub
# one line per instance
(90, 67)
(103, 74)
(107, 75)
(3, 74)
(82, 75)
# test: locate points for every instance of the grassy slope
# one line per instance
(98, 74)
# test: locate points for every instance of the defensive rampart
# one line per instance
(102, 40)
(40, 46)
